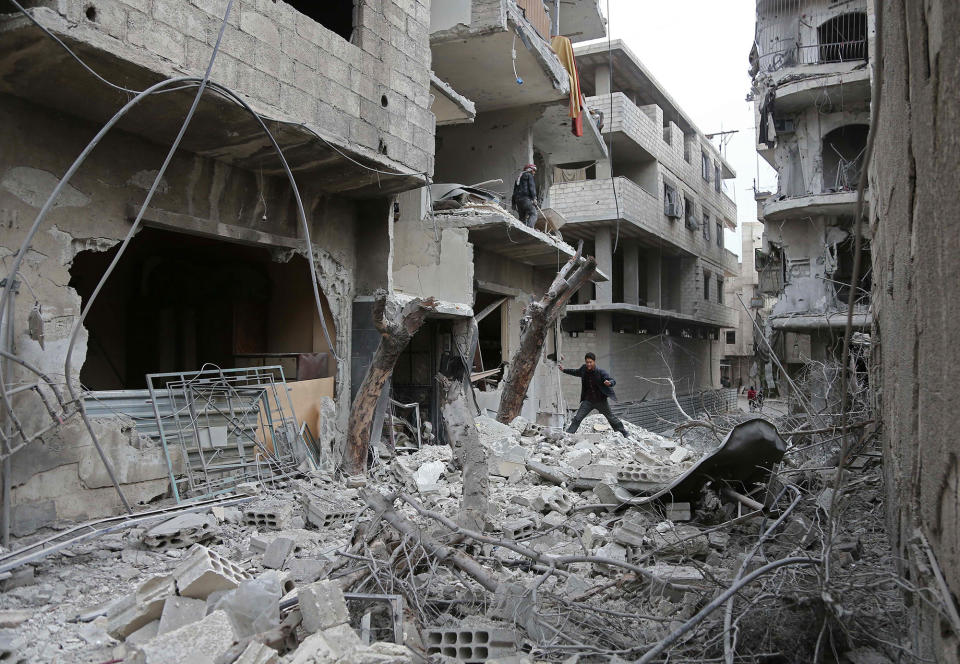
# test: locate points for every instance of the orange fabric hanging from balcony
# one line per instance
(564, 49)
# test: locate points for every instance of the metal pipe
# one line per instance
(8, 420)
(556, 17)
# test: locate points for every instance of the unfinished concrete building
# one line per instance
(218, 272)
(653, 213)
(811, 71)
(740, 367)
(478, 258)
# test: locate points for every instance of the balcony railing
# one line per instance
(791, 34)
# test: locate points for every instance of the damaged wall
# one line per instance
(93, 215)
(916, 180)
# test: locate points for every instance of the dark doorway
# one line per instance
(490, 346)
(176, 302)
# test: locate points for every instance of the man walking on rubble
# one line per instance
(596, 386)
(525, 196)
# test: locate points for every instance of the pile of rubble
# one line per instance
(381, 569)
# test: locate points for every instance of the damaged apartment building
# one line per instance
(653, 212)
(373, 107)
(812, 70)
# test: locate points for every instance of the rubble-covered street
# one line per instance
(565, 569)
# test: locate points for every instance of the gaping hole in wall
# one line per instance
(338, 16)
(843, 150)
(843, 38)
(176, 302)
(413, 375)
(491, 328)
(843, 275)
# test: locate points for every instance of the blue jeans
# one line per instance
(602, 407)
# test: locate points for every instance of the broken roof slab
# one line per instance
(503, 234)
(808, 85)
(449, 106)
(580, 20)
(35, 68)
(479, 65)
(553, 137)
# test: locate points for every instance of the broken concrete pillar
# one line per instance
(322, 606)
(654, 298)
(180, 611)
(631, 272)
(204, 571)
(201, 641)
(140, 607)
(603, 251)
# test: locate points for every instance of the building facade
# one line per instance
(812, 67)
(740, 366)
(653, 212)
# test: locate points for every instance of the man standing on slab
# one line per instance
(596, 386)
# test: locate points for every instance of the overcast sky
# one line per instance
(697, 50)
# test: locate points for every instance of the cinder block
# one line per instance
(322, 606)
(277, 552)
(556, 500)
(204, 571)
(470, 645)
(140, 607)
(518, 528)
(327, 513)
(180, 611)
(274, 515)
(182, 531)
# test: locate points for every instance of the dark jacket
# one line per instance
(525, 187)
(599, 376)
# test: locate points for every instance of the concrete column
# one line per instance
(654, 270)
(586, 293)
(601, 80)
(603, 250)
(604, 169)
(631, 273)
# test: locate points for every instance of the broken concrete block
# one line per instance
(143, 605)
(680, 455)
(593, 535)
(556, 500)
(322, 606)
(428, 475)
(182, 531)
(14, 617)
(277, 552)
(679, 541)
(326, 513)
(257, 653)
(204, 571)
(305, 570)
(314, 650)
(180, 611)
(19, 578)
(554, 520)
(268, 514)
(10, 646)
(342, 639)
(146, 633)
(199, 642)
(506, 458)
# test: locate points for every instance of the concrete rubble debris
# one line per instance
(277, 552)
(182, 531)
(180, 611)
(201, 641)
(322, 605)
(204, 571)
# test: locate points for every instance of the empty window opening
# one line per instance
(717, 179)
(731, 337)
(706, 285)
(720, 290)
(335, 15)
(671, 202)
(706, 227)
(491, 340)
(689, 219)
(176, 302)
(413, 374)
(719, 233)
(843, 38)
(705, 166)
(843, 151)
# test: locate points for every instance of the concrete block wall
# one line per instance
(289, 66)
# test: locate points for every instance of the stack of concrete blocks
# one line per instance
(269, 514)
(167, 602)
(470, 644)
